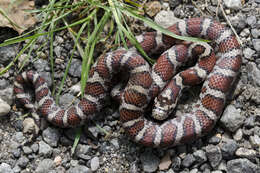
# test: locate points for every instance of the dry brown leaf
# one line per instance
(16, 13)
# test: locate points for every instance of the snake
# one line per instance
(217, 67)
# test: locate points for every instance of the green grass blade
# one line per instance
(92, 40)
(76, 140)
(76, 40)
(157, 27)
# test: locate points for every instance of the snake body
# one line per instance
(218, 71)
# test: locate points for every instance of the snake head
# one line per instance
(163, 106)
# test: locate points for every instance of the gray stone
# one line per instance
(245, 32)
(222, 166)
(250, 121)
(45, 149)
(22, 162)
(7, 54)
(94, 131)
(255, 33)
(94, 163)
(75, 68)
(4, 84)
(74, 163)
(228, 149)
(247, 153)
(27, 150)
(41, 39)
(188, 160)
(214, 140)
(232, 118)
(16, 169)
(238, 135)
(170, 171)
(7, 95)
(214, 155)
(150, 162)
(239, 21)
(79, 169)
(233, 4)
(51, 136)
(256, 98)
(253, 73)
(174, 3)
(248, 53)
(242, 165)
(195, 170)
(205, 168)
(255, 141)
(176, 163)
(16, 152)
(40, 65)
(4, 168)
(256, 44)
(257, 128)
(217, 171)
(45, 166)
(115, 143)
(251, 21)
(19, 137)
(82, 151)
(59, 39)
(133, 167)
(200, 156)
(4, 108)
(58, 51)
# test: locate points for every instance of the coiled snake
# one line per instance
(218, 72)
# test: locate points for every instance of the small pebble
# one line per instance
(247, 153)
(152, 8)
(188, 161)
(5, 168)
(94, 163)
(45, 149)
(51, 136)
(233, 4)
(4, 108)
(165, 162)
(242, 165)
(150, 162)
(214, 155)
(45, 166)
(232, 118)
(256, 44)
(255, 141)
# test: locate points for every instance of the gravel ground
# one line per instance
(232, 146)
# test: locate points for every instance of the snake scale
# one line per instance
(218, 71)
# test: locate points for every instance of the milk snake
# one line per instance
(218, 72)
